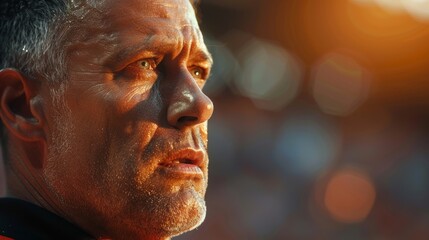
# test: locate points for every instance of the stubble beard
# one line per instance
(177, 213)
(60, 140)
(167, 215)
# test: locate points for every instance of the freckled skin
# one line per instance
(134, 96)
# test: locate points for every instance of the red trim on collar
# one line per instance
(5, 238)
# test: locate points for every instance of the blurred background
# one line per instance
(321, 123)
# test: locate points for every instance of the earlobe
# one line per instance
(18, 108)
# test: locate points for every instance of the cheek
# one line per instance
(128, 150)
(133, 94)
(101, 136)
(204, 132)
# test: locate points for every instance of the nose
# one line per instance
(189, 105)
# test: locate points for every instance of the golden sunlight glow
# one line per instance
(391, 5)
(349, 196)
(419, 9)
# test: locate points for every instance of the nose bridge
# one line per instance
(188, 104)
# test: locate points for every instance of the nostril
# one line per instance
(186, 119)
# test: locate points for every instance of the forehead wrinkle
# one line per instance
(176, 4)
(178, 9)
(151, 25)
(146, 20)
(198, 48)
(153, 43)
(191, 45)
(170, 35)
(155, 10)
(153, 30)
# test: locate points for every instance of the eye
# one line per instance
(147, 64)
(141, 70)
(198, 72)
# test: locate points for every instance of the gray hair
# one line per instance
(31, 33)
(31, 37)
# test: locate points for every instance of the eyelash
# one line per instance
(152, 64)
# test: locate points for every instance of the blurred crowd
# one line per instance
(321, 120)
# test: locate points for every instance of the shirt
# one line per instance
(21, 220)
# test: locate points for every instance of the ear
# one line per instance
(19, 106)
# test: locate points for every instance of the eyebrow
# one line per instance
(154, 44)
(147, 44)
(203, 56)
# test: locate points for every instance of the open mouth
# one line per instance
(179, 161)
(184, 162)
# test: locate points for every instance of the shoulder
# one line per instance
(26, 221)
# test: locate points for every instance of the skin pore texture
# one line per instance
(119, 148)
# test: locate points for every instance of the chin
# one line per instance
(163, 214)
(161, 224)
(184, 217)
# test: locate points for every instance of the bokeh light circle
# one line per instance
(307, 144)
(349, 196)
(270, 75)
(339, 84)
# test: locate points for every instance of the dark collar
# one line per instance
(22, 220)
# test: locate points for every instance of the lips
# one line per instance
(184, 163)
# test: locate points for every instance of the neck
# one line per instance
(24, 178)
(2, 178)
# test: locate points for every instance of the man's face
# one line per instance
(127, 137)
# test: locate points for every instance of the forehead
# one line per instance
(112, 24)
(176, 12)
(152, 8)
